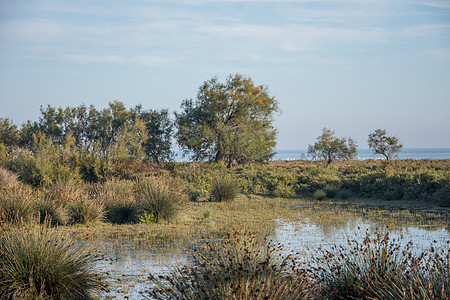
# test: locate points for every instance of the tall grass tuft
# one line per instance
(381, 268)
(64, 192)
(85, 211)
(118, 198)
(224, 189)
(8, 180)
(319, 195)
(240, 266)
(51, 212)
(160, 197)
(18, 205)
(37, 262)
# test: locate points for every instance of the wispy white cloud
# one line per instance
(427, 30)
(34, 30)
(438, 4)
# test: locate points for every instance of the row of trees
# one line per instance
(229, 123)
(330, 148)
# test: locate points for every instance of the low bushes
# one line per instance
(224, 189)
(37, 262)
(161, 197)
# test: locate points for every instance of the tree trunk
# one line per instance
(219, 156)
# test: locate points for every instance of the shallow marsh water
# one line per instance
(127, 262)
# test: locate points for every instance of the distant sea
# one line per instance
(414, 153)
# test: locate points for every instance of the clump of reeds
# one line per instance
(85, 211)
(381, 268)
(8, 179)
(118, 198)
(239, 266)
(319, 194)
(224, 189)
(51, 211)
(331, 191)
(160, 197)
(64, 192)
(18, 204)
(37, 262)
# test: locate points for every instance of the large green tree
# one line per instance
(330, 148)
(381, 143)
(229, 122)
(158, 146)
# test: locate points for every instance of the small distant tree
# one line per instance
(330, 148)
(381, 143)
(9, 134)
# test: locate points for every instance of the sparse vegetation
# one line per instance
(381, 268)
(239, 266)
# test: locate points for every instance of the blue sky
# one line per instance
(349, 65)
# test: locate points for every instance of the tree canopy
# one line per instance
(381, 143)
(114, 130)
(330, 148)
(229, 122)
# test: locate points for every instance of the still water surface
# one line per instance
(128, 263)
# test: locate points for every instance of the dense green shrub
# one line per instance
(443, 195)
(161, 197)
(284, 192)
(40, 263)
(331, 191)
(344, 194)
(122, 211)
(224, 189)
(239, 266)
(26, 167)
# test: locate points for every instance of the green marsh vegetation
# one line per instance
(106, 177)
